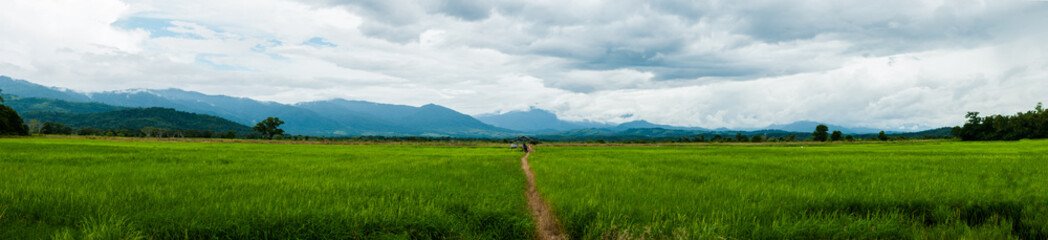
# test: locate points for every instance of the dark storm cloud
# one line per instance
(652, 35)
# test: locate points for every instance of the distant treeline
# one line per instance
(1024, 125)
(757, 136)
(62, 129)
(154, 132)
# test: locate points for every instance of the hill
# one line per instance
(27, 89)
(324, 118)
(138, 118)
(427, 120)
(36, 104)
(534, 121)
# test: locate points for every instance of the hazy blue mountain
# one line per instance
(35, 104)
(376, 118)
(428, 120)
(444, 120)
(809, 126)
(587, 132)
(645, 124)
(533, 121)
(541, 121)
(27, 89)
(334, 117)
(138, 118)
(242, 110)
(344, 117)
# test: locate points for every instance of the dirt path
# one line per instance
(546, 225)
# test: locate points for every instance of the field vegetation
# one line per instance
(119, 189)
(901, 190)
(127, 188)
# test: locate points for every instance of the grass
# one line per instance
(71, 188)
(918, 190)
(113, 189)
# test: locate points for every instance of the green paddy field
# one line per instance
(54, 188)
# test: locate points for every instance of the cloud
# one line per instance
(891, 64)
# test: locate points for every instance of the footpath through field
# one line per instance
(547, 226)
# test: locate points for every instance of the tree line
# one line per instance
(56, 128)
(1031, 124)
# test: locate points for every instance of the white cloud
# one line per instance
(898, 64)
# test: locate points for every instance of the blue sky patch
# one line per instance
(155, 26)
(318, 42)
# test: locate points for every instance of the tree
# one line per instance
(836, 136)
(849, 138)
(55, 128)
(792, 138)
(881, 136)
(1, 97)
(150, 131)
(741, 138)
(11, 123)
(269, 127)
(756, 138)
(1023, 125)
(820, 133)
(88, 131)
(35, 126)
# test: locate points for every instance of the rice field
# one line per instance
(133, 189)
(104, 189)
(920, 190)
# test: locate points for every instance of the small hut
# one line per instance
(522, 143)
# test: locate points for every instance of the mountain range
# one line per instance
(340, 117)
(103, 116)
(538, 121)
(321, 118)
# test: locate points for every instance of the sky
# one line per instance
(893, 64)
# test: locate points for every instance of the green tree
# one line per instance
(849, 138)
(821, 133)
(836, 136)
(741, 138)
(269, 127)
(55, 128)
(881, 136)
(11, 123)
(756, 139)
(792, 138)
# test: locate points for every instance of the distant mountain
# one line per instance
(427, 120)
(541, 121)
(138, 118)
(27, 89)
(324, 118)
(242, 110)
(35, 104)
(346, 118)
(809, 126)
(534, 121)
(645, 124)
